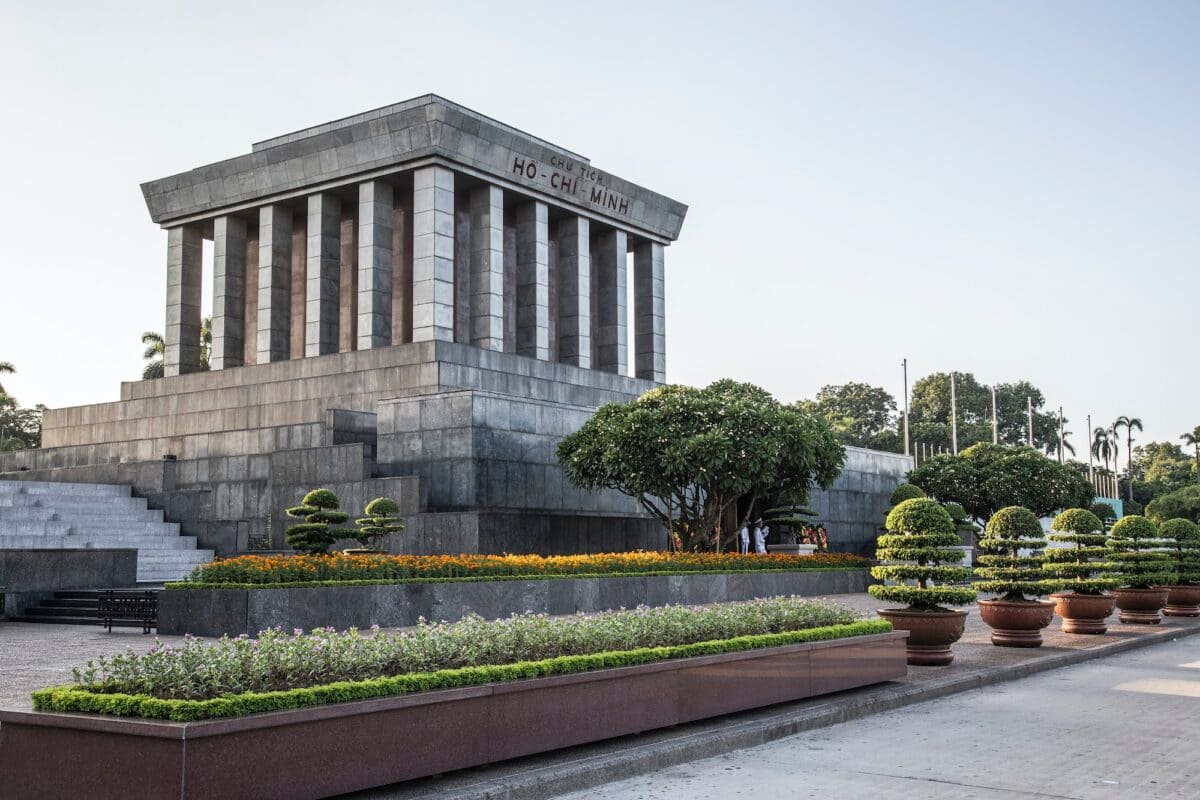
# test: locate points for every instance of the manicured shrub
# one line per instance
(1183, 537)
(292, 570)
(319, 510)
(73, 699)
(905, 491)
(1083, 567)
(921, 533)
(382, 519)
(1004, 570)
(1105, 512)
(1134, 547)
(277, 661)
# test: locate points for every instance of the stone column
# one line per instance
(487, 267)
(250, 320)
(533, 280)
(574, 292)
(375, 232)
(324, 271)
(348, 281)
(610, 346)
(229, 292)
(649, 312)
(274, 283)
(433, 254)
(181, 352)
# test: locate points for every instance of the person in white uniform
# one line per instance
(744, 540)
(760, 537)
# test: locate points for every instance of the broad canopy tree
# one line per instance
(985, 478)
(687, 455)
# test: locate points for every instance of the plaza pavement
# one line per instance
(1121, 727)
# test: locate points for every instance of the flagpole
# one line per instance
(953, 416)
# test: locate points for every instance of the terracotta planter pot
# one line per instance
(930, 633)
(1183, 601)
(1016, 624)
(1084, 613)
(1141, 606)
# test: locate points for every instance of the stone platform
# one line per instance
(462, 437)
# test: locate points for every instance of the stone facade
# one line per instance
(854, 508)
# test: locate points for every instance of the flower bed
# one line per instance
(297, 570)
(277, 671)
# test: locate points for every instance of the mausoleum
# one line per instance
(416, 302)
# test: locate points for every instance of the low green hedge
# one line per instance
(193, 585)
(76, 700)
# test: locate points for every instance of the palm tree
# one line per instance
(6, 368)
(1128, 423)
(1193, 440)
(156, 348)
(1102, 445)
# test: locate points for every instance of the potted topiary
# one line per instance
(1183, 597)
(381, 519)
(966, 530)
(319, 510)
(917, 549)
(1015, 620)
(1142, 567)
(1080, 572)
(793, 520)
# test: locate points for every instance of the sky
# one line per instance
(1009, 189)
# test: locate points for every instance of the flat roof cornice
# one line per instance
(392, 137)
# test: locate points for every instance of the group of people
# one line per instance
(761, 532)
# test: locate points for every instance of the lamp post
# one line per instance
(953, 416)
(904, 364)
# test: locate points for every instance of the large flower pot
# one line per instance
(1084, 613)
(1183, 601)
(1016, 624)
(930, 633)
(1141, 606)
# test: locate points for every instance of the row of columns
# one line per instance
(264, 287)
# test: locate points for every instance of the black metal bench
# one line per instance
(128, 607)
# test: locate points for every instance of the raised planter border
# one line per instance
(216, 612)
(372, 743)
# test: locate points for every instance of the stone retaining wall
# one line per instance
(29, 576)
(213, 612)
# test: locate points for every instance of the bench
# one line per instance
(128, 607)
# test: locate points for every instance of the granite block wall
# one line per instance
(853, 509)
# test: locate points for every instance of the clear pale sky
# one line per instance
(1010, 189)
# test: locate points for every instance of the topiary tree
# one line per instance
(1081, 568)
(905, 491)
(1183, 538)
(1004, 570)
(962, 522)
(1134, 547)
(921, 532)
(319, 510)
(382, 518)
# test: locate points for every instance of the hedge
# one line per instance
(76, 700)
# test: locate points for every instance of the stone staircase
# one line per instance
(37, 514)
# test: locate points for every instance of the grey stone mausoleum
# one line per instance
(416, 302)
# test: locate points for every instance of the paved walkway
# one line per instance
(1121, 727)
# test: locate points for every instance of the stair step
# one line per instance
(55, 487)
(54, 611)
(56, 620)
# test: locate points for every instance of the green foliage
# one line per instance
(319, 510)
(1160, 468)
(905, 491)
(861, 415)
(1003, 569)
(1180, 504)
(1105, 512)
(929, 415)
(921, 532)
(985, 478)
(72, 699)
(20, 428)
(382, 519)
(1184, 538)
(1082, 566)
(1134, 547)
(704, 449)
